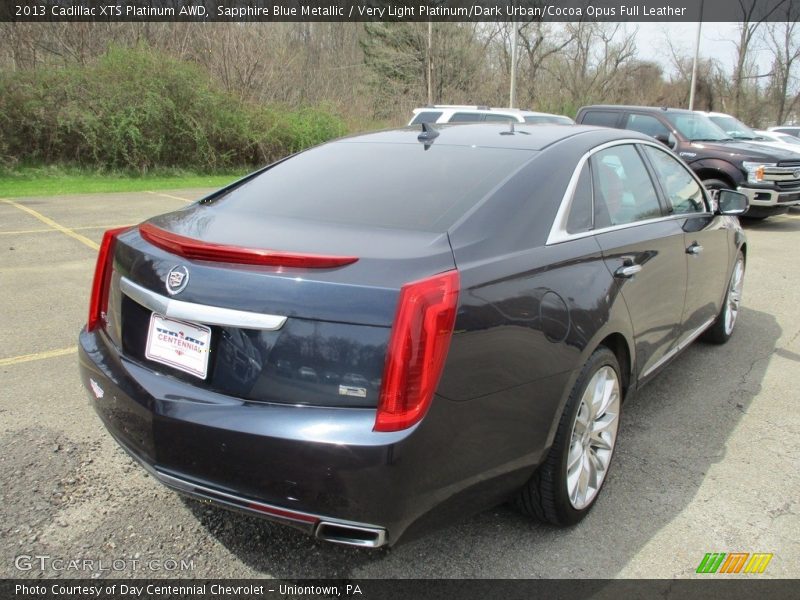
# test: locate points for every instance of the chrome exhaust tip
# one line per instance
(350, 535)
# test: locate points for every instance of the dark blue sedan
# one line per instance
(392, 330)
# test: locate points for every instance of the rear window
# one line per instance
(426, 117)
(600, 118)
(399, 186)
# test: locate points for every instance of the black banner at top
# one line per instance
(399, 10)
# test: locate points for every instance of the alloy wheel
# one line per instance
(734, 296)
(594, 434)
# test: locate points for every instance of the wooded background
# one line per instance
(219, 95)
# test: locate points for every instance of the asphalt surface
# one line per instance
(708, 458)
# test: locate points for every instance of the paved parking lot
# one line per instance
(708, 458)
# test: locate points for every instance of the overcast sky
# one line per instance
(716, 41)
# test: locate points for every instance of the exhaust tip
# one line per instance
(351, 535)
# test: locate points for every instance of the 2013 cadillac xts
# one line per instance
(388, 330)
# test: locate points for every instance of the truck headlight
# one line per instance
(755, 170)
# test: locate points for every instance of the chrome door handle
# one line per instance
(627, 271)
(694, 249)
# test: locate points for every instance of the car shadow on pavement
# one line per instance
(673, 432)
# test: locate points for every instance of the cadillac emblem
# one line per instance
(177, 278)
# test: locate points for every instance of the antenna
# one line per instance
(428, 133)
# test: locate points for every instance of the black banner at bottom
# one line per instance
(710, 588)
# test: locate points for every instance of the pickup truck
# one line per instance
(770, 177)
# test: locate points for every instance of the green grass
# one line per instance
(51, 181)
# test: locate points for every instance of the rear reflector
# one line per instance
(199, 250)
(418, 347)
(98, 302)
(281, 512)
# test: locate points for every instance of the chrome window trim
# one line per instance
(558, 231)
(199, 313)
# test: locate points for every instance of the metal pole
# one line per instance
(696, 57)
(512, 95)
(430, 63)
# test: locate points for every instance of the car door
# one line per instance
(643, 249)
(705, 240)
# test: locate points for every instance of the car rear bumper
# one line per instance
(312, 468)
(321, 470)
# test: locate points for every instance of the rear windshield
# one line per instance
(400, 186)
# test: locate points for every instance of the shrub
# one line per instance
(136, 109)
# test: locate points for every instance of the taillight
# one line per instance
(200, 250)
(98, 303)
(417, 350)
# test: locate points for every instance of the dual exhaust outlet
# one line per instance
(350, 535)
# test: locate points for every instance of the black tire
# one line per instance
(721, 331)
(546, 496)
(714, 185)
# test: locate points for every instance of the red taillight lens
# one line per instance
(200, 250)
(98, 303)
(417, 350)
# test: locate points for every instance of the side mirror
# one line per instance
(667, 140)
(731, 203)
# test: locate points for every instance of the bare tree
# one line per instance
(784, 44)
(752, 19)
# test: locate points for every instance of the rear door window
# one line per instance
(648, 125)
(623, 190)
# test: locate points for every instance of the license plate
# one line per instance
(178, 344)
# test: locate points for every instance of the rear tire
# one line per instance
(566, 485)
(722, 329)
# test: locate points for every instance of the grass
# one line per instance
(55, 180)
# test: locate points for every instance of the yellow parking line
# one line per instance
(26, 231)
(162, 194)
(15, 360)
(49, 222)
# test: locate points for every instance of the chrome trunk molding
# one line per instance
(199, 313)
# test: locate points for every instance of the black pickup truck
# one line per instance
(769, 177)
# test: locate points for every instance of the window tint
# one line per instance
(464, 117)
(401, 186)
(499, 118)
(580, 212)
(601, 118)
(695, 127)
(683, 192)
(623, 190)
(426, 117)
(647, 125)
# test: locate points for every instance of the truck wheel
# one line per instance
(714, 185)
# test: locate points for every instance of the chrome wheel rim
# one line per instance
(594, 434)
(734, 296)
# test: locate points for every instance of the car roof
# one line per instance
(484, 109)
(714, 114)
(621, 107)
(490, 135)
